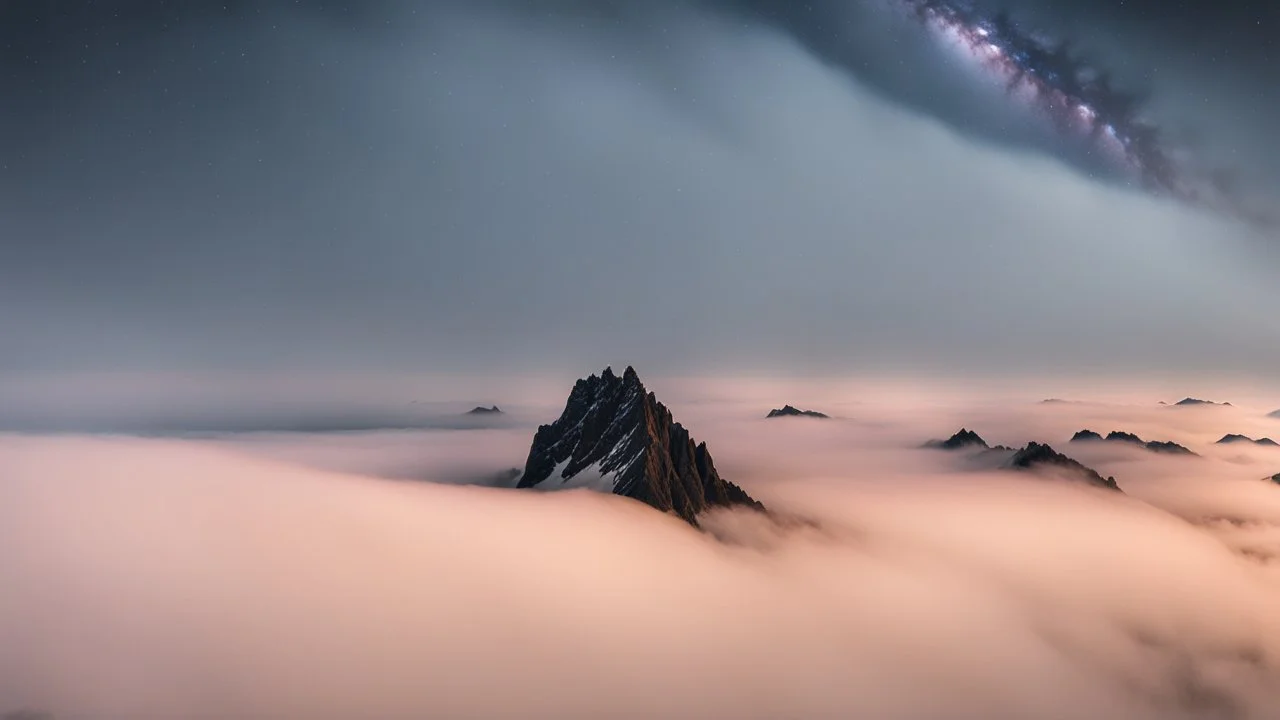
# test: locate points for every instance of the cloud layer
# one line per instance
(271, 575)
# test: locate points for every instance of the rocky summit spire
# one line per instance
(614, 436)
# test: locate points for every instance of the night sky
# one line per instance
(685, 185)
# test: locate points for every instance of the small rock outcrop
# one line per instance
(965, 438)
(789, 411)
(481, 410)
(1196, 401)
(1233, 439)
(1036, 455)
(614, 436)
(1160, 446)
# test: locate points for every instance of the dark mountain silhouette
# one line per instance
(614, 436)
(1275, 415)
(1275, 478)
(1117, 436)
(1196, 401)
(1233, 439)
(1167, 446)
(1160, 446)
(1035, 456)
(481, 410)
(789, 411)
(965, 438)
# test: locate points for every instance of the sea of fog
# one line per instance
(360, 574)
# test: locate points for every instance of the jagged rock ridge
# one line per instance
(1160, 446)
(1036, 455)
(789, 411)
(614, 436)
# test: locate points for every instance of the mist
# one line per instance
(300, 574)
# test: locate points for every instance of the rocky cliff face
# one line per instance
(614, 436)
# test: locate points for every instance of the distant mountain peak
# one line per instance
(1197, 401)
(790, 411)
(1168, 446)
(1036, 455)
(964, 438)
(614, 436)
(1160, 446)
(482, 410)
(1232, 439)
(1118, 436)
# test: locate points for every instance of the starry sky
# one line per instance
(689, 186)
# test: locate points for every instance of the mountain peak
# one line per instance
(1036, 455)
(792, 411)
(1233, 438)
(482, 410)
(962, 439)
(1086, 436)
(1197, 401)
(1120, 436)
(1160, 446)
(614, 436)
